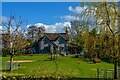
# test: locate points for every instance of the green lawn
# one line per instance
(63, 66)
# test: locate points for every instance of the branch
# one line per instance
(108, 21)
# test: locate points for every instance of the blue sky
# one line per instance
(34, 12)
(53, 15)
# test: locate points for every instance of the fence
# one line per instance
(107, 73)
(118, 73)
(6, 65)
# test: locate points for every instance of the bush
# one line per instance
(87, 60)
(38, 78)
(61, 54)
(4, 55)
(77, 56)
(5, 51)
(96, 60)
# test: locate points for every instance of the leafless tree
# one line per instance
(15, 36)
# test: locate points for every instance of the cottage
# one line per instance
(48, 42)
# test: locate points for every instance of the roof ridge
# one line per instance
(54, 36)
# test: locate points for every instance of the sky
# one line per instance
(53, 15)
(45, 12)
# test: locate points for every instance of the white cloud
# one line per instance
(67, 24)
(0, 27)
(69, 17)
(28, 25)
(54, 28)
(77, 9)
(39, 24)
(3, 19)
(70, 8)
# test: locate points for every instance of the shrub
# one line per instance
(77, 56)
(4, 55)
(38, 78)
(96, 60)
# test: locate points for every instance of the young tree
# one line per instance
(16, 37)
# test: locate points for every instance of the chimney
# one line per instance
(66, 30)
(41, 30)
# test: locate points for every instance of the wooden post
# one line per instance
(105, 73)
(115, 70)
(98, 73)
(5, 66)
(51, 51)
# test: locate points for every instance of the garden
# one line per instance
(40, 66)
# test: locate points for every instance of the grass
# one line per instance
(63, 66)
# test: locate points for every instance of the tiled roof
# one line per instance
(54, 36)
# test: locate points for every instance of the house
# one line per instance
(50, 42)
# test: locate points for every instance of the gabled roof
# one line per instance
(54, 36)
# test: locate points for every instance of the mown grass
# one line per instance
(63, 66)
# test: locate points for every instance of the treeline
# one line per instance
(97, 31)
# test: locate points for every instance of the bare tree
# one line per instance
(34, 32)
(15, 36)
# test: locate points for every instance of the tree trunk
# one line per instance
(11, 61)
(115, 70)
(54, 55)
(115, 59)
(51, 56)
